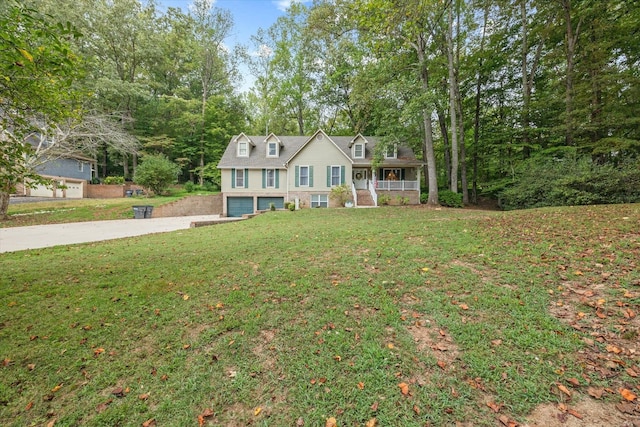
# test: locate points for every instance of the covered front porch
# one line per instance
(385, 185)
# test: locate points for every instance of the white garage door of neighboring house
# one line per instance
(238, 206)
(74, 190)
(42, 191)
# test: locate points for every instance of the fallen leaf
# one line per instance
(574, 413)
(118, 392)
(494, 407)
(600, 314)
(300, 422)
(613, 349)
(574, 382)
(103, 406)
(371, 423)
(149, 423)
(185, 297)
(628, 394)
(98, 351)
(425, 268)
(186, 346)
(507, 421)
(404, 388)
(143, 396)
(361, 385)
(464, 306)
(390, 346)
(442, 364)
(51, 423)
(632, 373)
(564, 389)
(374, 407)
(496, 342)
(29, 406)
(337, 358)
(257, 411)
(595, 392)
(331, 422)
(56, 388)
(416, 410)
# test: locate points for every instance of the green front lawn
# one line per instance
(406, 315)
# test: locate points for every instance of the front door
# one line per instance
(360, 178)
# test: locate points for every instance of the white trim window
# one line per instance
(391, 152)
(243, 149)
(336, 177)
(240, 178)
(272, 149)
(319, 201)
(80, 166)
(358, 151)
(304, 176)
(270, 178)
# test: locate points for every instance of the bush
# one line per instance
(189, 187)
(450, 199)
(383, 199)
(572, 181)
(157, 173)
(341, 194)
(114, 180)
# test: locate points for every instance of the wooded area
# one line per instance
(531, 102)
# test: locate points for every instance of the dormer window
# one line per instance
(243, 149)
(272, 149)
(391, 152)
(358, 151)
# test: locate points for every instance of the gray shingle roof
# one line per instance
(292, 144)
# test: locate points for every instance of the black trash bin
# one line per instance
(148, 211)
(139, 212)
(128, 193)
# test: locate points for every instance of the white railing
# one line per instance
(354, 193)
(372, 190)
(400, 185)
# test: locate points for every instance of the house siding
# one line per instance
(67, 168)
(319, 155)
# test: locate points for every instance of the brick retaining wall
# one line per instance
(191, 205)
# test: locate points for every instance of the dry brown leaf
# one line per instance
(442, 364)
(496, 342)
(29, 406)
(564, 389)
(361, 385)
(613, 349)
(103, 406)
(331, 422)
(574, 413)
(628, 394)
(574, 382)
(143, 396)
(51, 423)
(507, 421)
(595, 392)
(374, 407)
(149, 423)
(494, 406)
(404, 388)
(632, 373)
(371, 423)
(300, 422)
(464, 306)
(56, 388)
(257, 411)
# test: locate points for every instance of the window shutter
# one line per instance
(310, 176)
(277, 178)
(264, 178)
(233, 178)
(297, 184)
(246, 178)
(342, 177)
(328, 176)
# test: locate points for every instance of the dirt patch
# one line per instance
(584, 413)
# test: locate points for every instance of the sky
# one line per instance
(248, 15)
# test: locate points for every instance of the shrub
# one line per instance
(114, 180)
(424, 198)
(384, 199)
(189, 187)
(157, 173)
(340, 193)
(450, 199)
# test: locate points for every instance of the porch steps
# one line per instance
(364, 198)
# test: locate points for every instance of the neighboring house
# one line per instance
(70, 175)
(257, 171)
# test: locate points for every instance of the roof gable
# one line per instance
(319, 136)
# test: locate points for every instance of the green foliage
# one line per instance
(189, 186)
(572, 181)
(340, 194)
(450, 199)
(157, 173)
(384, 199)
(113, 180)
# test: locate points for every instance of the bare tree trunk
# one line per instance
(432, 177)
(571, 40)
(445, 144)
(476, 119)
(453, 186)
(4, 203)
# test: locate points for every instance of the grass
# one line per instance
(80, 210)
(321, 313)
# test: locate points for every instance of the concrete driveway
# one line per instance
(41, 236)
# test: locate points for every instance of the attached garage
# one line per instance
(264, 203)
(238, 206)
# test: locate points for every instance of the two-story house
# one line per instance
(258, 171)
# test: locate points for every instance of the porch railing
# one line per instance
(372, 190)
(354, 193)
(400, 185)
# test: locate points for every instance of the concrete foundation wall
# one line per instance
(191, 205)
